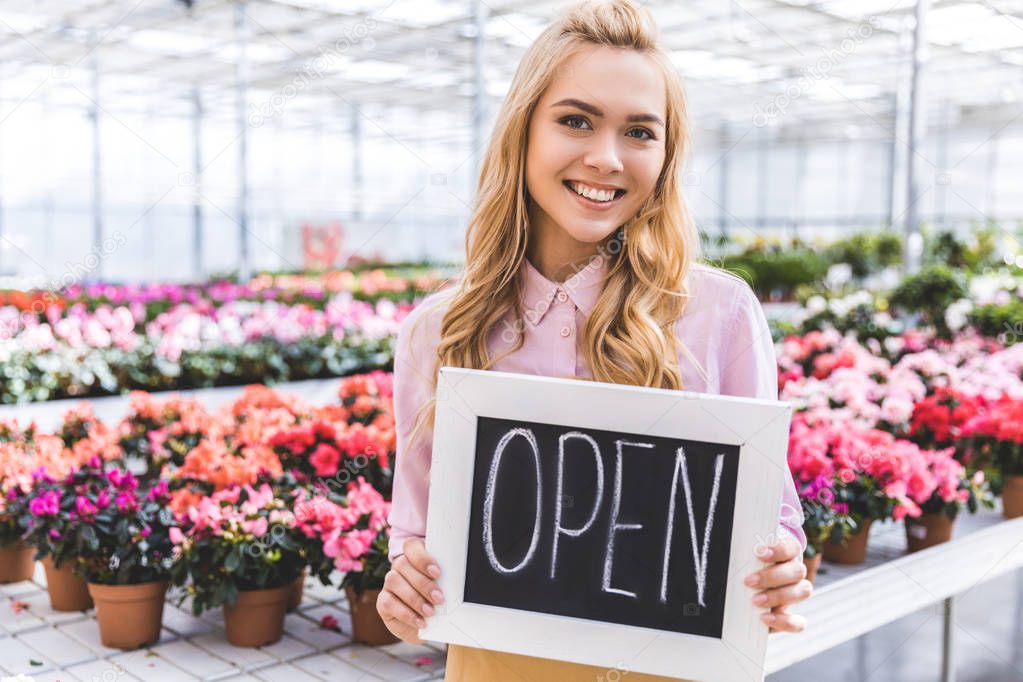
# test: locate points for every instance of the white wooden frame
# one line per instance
(759, 427)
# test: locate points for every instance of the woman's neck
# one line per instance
(556, 255)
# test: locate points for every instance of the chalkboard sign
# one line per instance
(602, 524)
(620, 527)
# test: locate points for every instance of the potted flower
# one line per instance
(335, 452)
(367, 396)
(351, 537)
(869, 468)
(17, 560)
(238, 548)
(941, 492)
(16, 464)
(822, 516)
(25, 457)
(57, 523)
(158, 432)
(126, 556)
(362, 586)
(86, 436)
(939, 418)
(995, 437)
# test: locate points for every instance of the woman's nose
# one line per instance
(602, 155)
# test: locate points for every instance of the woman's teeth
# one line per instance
(592, 193)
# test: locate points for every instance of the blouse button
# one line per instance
(565, 331)
(562, 296)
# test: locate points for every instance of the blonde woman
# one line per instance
(581, 261)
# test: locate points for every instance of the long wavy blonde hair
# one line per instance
(629, 337)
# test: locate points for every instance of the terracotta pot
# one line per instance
(297, 588)
(812, 564)
(853, 550)
(257, 617)
(1012, 497)
(68, 592)
(130, 616)
(927, 530)
(367, 625)
(17, 563)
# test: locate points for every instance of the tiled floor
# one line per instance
(49, 646)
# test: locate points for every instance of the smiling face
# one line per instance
(595, 146)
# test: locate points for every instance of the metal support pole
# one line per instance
(762, 179)
(893, 160)
(97, 168)
(724, 166)
(801, 193)
(912, 248)
(241, 32)
(197, 236)
(357, 179)
(990, 172)
(941, 195)
(948, 672)
(479, 98)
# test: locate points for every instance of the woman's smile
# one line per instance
(594, 198)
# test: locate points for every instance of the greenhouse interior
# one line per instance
(221, 222)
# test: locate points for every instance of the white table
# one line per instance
(851, 600)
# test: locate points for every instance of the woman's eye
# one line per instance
(572, 121)
(644, 131)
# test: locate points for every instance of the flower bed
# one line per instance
(79, 353)
(232, 505)
(917, 427)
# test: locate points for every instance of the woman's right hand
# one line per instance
(410, 592)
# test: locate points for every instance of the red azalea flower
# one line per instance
(325, 459)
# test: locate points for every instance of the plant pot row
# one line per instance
(922, 532)
(130, 616)
(925, 531)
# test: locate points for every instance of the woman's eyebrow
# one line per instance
(594, 111)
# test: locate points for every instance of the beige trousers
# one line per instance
(466, 664)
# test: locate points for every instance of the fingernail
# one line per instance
(437, 597)
(433, 570)
(420, 622)
(763, 552)
(753, 579)
(427, 609)
(767, 617)
(760, 599)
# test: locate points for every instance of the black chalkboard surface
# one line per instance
(626, 528)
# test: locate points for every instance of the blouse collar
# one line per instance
(582, 287)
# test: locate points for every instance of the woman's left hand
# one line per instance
(780, 583)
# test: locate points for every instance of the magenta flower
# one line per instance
(159, 491)
(125, 501)
(47, 504)
(85, 508)
(123, 480)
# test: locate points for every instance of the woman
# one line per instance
(581, 262)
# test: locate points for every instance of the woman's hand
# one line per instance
(410, 591)
(782, 582)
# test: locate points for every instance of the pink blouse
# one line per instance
(723, 327)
